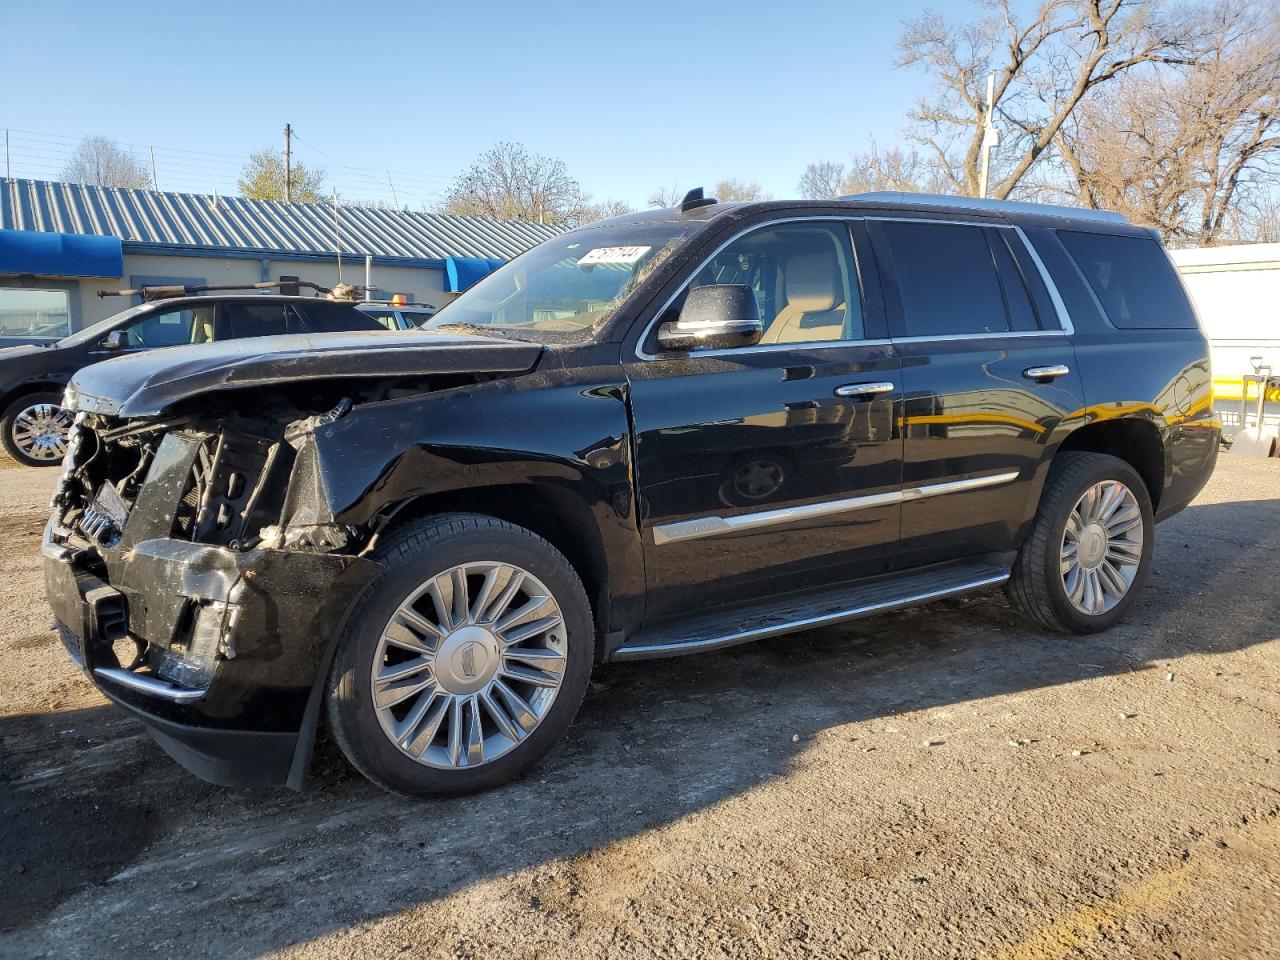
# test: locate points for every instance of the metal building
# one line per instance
(61, 242)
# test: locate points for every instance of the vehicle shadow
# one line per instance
(654, 742)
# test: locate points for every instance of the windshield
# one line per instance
(570, 283)
(96, 331)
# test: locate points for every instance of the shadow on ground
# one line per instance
(89, 802)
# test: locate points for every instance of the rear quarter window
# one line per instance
(1132, 279)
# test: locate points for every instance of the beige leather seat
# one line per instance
(814, 308)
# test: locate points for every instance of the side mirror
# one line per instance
(115, 341)
(714, 317)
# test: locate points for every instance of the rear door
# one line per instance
(989, 375)
(770, 469)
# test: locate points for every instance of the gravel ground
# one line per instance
(944, 782)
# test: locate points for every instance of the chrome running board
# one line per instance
(708, 631)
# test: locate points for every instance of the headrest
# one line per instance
(811, 281)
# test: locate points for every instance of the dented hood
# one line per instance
(149, 383)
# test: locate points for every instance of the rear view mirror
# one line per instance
(714, 317)
(115, 341)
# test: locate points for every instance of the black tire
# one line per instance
(1036, 587)
(413, 554)
(15, 407)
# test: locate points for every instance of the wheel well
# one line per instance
(23, 389)
(1137, 442)
(553, 514)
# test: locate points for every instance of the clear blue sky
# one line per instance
(631, 96)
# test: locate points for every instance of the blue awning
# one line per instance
(462, 272)
(60, 254)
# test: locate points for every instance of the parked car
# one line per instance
(33, 425)
(398, 316)
(656, 435)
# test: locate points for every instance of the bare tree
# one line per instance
(874, 170)
(732, 190)
(1190, 153)
(263, 176)
(1044, 68)
(101, 162)
(510, 183)
(603, 210)
(666, 196)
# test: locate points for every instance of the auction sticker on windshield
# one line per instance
(612, 255)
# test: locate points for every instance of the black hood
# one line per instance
(149, 383)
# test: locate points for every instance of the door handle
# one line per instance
(859, 390)
(1050, 372)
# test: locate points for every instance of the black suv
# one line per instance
(33, 427)
(656, 435)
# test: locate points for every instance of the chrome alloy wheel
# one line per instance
(40, 431)
(469, 664)
(1101, 547)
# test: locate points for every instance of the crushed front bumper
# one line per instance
(278, 615)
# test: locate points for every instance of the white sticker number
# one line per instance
(612, 255)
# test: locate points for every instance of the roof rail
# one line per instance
(989, 206)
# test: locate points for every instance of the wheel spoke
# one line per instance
(530, 676)
(543, 658)
(531, 629)
(398, 691)
(1124, 552)
(500, 605)
(510, 729)
(401, 670)
(460, 608)
(475, 732)
(1075, 584)
(1112, 581)
(534, 608)
(494, 581)
(455, 731)
(427, 715)
(521, 712)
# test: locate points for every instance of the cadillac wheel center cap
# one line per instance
(467, 660)
(1093, 546)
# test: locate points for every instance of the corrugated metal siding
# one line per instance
(148, 217)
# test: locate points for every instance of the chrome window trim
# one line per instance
(1059, 306)
(642, 354)
(715, 526)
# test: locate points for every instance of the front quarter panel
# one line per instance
(563, 428)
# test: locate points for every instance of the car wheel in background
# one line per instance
(34, 427)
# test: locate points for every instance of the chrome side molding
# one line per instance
(148, 685)
(713, 526)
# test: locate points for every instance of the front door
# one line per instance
(774, 468)
(989, 376)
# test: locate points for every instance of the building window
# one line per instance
(29, 312)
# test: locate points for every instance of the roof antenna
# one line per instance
(694, 199)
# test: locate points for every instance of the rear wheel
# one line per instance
(34, 428)
(1089, 548)
(465, 662)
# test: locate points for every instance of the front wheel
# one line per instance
(1089, 548)
(34, 429)
(465, 662)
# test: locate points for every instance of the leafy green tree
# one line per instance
(262, 178)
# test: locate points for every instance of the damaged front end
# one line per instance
(199, 578)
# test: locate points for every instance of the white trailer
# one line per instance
(1236, 290)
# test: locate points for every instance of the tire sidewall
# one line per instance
(1110, 468)
(376, 755)
(11, 411)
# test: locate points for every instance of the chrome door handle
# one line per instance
(864, 389)
(1049, 372)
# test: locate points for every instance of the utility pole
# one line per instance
(155, 184)
(288, 165)
(990, 137)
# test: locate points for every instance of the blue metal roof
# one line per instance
(158, 222)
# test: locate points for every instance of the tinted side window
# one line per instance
(171, 329)
(1132, 279)
(253, 320)
(325, 317)
(1022, 315)
(946, 278)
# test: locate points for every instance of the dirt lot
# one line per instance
(942, 782)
